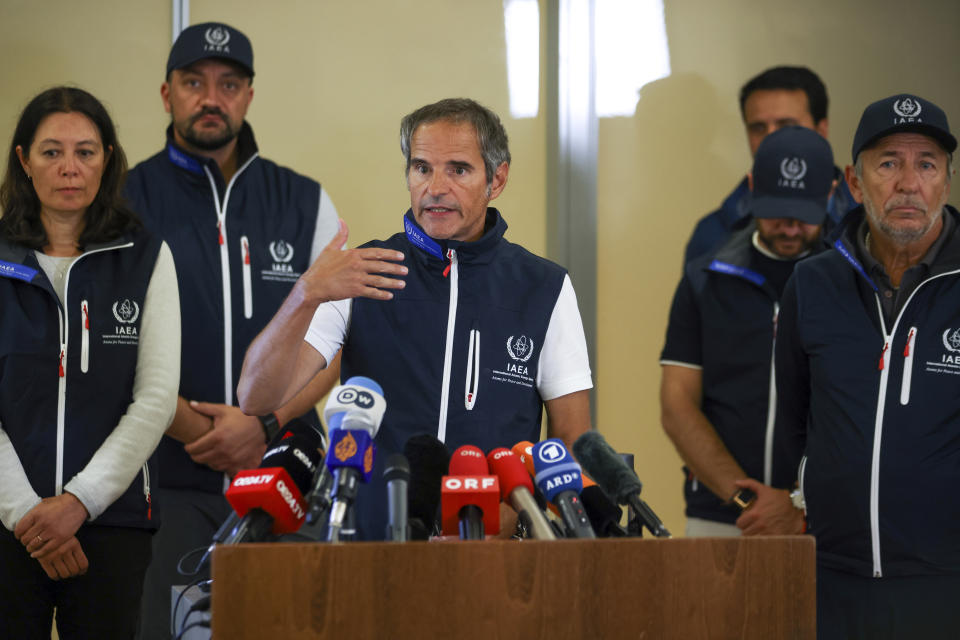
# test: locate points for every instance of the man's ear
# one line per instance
(165, 96)
(822, 127)
(856, 189)
(499, 180)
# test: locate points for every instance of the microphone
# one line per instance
(559, 477)
(269, 499)
(516, 487)
(353, 413)
(616, 478)
(470, 496)
(318, 498)
(429, 461)
(397, 475)
(604, 513)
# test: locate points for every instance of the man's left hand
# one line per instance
(50, 524)
(236, 441)
(772, 513)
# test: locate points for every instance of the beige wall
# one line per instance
(333, 79)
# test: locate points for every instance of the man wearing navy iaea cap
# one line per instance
(868, 377)
(242, 229)
(717, 384)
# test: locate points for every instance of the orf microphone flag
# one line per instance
(470, 496)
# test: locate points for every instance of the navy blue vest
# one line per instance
(270, 207)
(109, 281)
(506, 296)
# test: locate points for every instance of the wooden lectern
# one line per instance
(613, 588)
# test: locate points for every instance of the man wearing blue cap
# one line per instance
(242, 229)
(717, 386)
(868, 375)
(781, 96)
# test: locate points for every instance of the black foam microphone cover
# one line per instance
(606, 467)
(429, 461)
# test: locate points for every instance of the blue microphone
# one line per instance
(560, 480)
(353, 414)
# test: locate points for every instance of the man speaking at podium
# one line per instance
(469, 334)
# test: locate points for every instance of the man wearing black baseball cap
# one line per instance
(242, 229)
(717, 384)
(868, 364)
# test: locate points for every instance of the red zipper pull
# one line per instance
(149, 507)
(86, 317)
(219, 232)
(885, 345)
(62, 372)
(446, 271)
(906, 349)
(246, 252)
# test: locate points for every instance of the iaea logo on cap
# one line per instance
(217, 36)
(907, 108)
(793, 168)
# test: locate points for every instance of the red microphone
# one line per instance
(269, 499)
(517, 489)
(273, 491)
(470, 496)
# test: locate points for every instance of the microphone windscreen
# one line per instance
(507, 466)
(606, 466)
(396, 468)
(468, 460)
(429, 461)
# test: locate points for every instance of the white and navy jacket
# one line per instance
(239, 248)
(67, 372)
(723, 321)
(457, 350)
(875, 407)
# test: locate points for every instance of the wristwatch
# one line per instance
(743, 498)
(271, 426)
(796, 498)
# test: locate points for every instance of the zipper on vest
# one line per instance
(61, 397)
(907, 366)
(221, 211)
(884, 367)
(247, 284)
(473, 369)
(84, 336)
(453, 273)
(771, 404)
(146, 490)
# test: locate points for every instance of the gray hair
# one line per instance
(491, 136)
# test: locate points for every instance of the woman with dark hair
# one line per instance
(89, 369)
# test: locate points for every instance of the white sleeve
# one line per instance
(17, 496)
(121, 456)
(564, 364)
(328, 223)
(328, 329)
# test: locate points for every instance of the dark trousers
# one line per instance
(102, 603)
(910, 607)
(188, 520)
